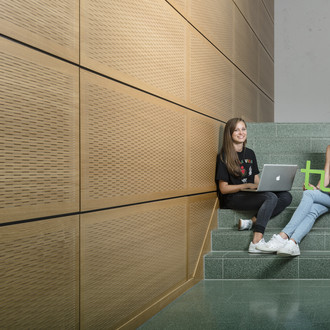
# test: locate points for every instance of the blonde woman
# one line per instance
(313, 204)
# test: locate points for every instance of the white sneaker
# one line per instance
(275, 243)
(289, 249)
(244, 224)
(253, 248)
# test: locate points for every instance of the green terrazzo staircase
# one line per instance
(275, 143)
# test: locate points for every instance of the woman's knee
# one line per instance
(317, 210)
(309, 193)
(285, 197)
(270, 197)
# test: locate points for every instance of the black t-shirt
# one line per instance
(249, 168)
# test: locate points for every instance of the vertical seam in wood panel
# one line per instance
(187, 187)
(80, 167)
(79, 183)
(188, 151)
(187, 220)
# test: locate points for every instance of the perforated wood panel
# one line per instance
(39, 134)
(266, 73)
(179, 5)
(53, 27)
(255, 12)
(211, 80)
(134, 145)
(265, 108)
(140, 42)
(251, 12)
(269, 4)
(246, 47)
(215, 20)
(245, 98)
(130, 258)
(39, 275)
(266, 30)
(203, 148)
(200, 212)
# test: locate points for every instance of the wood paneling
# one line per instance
(139, 42)
(40, 275)
(39, 131)
(53, 27)
(130, 258)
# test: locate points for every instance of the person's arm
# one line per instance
(226, 188)
(326, 169)
(256, 179)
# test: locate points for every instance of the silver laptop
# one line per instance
(276, 177)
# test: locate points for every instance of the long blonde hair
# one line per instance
(228, 153)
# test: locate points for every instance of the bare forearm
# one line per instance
(226, 188)
(327, 167)
(326, 170)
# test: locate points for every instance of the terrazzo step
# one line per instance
(228, 219)
(318, 239)
(242, 265)
(275, 143)
(288, 139)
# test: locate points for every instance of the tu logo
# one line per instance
(308, 170)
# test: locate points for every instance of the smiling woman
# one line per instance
(237, 169)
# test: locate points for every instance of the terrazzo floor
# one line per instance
(248, 304)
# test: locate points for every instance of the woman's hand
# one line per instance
(314, 188)
(226, 188)
(250, 186)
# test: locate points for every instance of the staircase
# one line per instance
(277, 143)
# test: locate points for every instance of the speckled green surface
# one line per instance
(248, 304)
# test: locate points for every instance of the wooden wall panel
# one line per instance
(211, 80)
(130, 258)
(245, 98)
(39, 275)
(53, 27)
(246, 48)
(258, 17)
(265, 108)
(266, 31)
(39, 131)
(216, 21)
(269, 4)
(203, 148)
(139, 42)
(179, 5)
(133, 145)
(251, 12)
(200, 212)
(266, 73)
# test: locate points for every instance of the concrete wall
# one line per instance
(302, 61)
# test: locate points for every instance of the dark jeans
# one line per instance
(268, 204)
